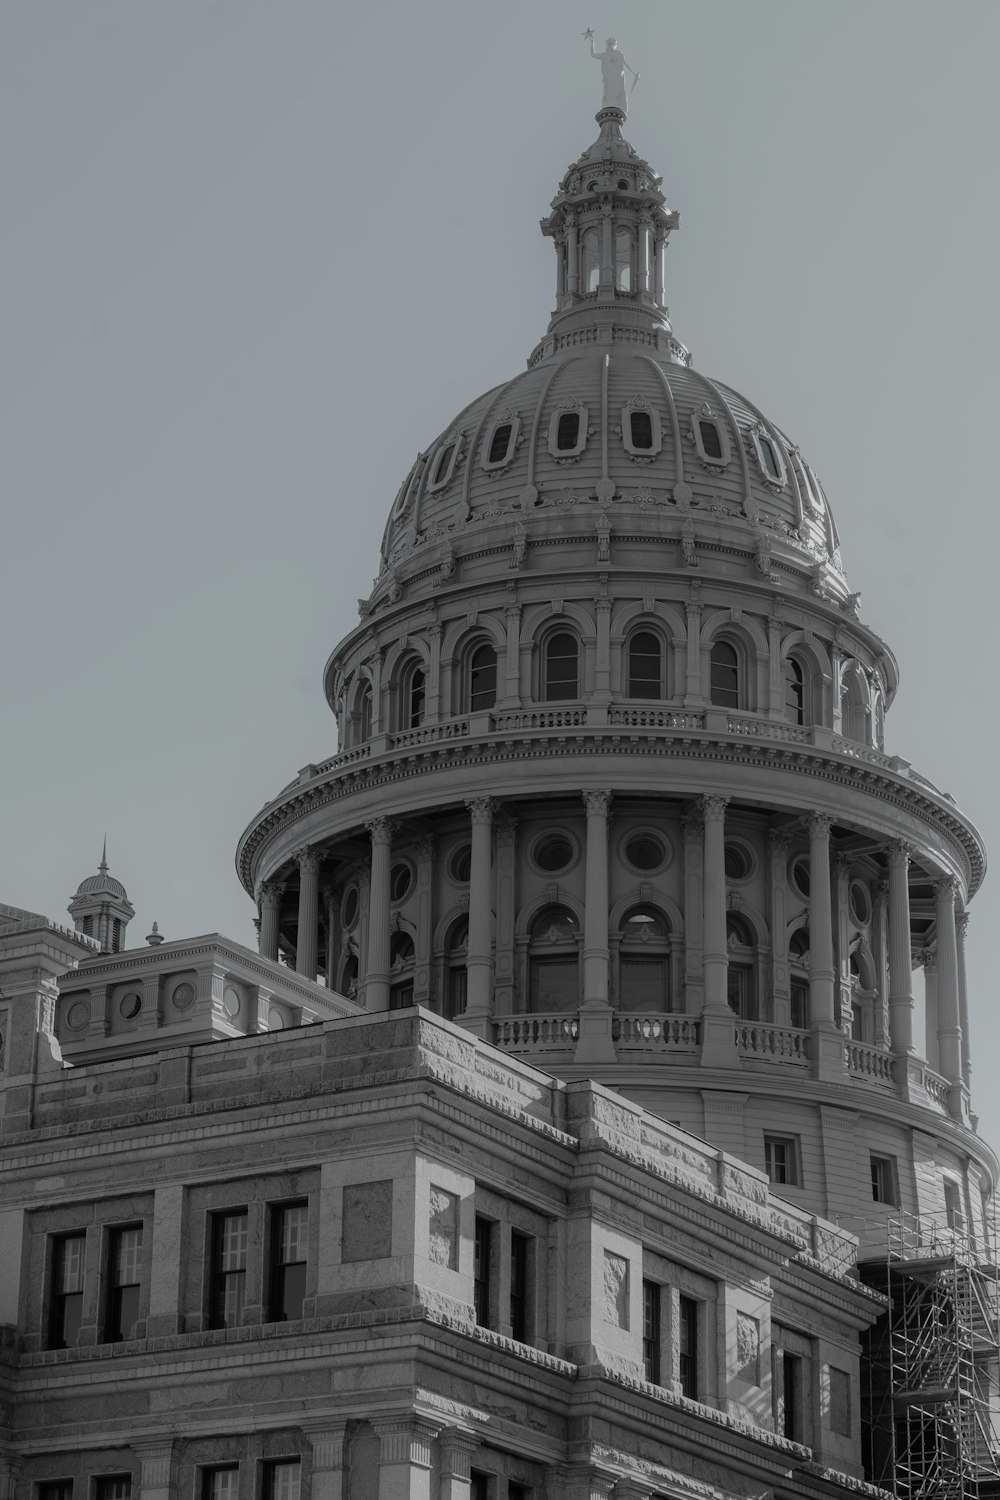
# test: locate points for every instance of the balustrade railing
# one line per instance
(868, 1062)
(656, 1033)
(447, 729)
(572, 716)
(938, 1088)
(767, 729)
(754, 1039)
(628, 717)
(537, 1033)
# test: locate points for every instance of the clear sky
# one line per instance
(256, 254)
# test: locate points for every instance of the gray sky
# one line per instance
(256, 254)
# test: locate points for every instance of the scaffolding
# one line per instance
(932, 1363)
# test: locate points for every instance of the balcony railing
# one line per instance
(772, 1043)
(536, 1034)
(874, 1064)
(646, 1033)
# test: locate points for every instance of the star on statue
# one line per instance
(588, 35)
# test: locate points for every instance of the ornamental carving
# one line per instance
(381, 830)
(819, 825)
(900, 853)
(308, 861)
(713, 808)
(481, 810)
(598, 804)
(946, 888)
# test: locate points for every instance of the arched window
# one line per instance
(561, 668)
(623, 261)
(853, 706)
(725, 675)
(645, 665)
(413, 696)
(644, 961)
(798, 957)
(553, 960)
(481, 687)
(365, 722)
(795, 691)
(455, 972)
(400, 971)
(741, 991)
(590, 261)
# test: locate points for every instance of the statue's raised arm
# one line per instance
(613, 70)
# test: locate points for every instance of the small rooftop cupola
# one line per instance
(610, 224)
(101, 907)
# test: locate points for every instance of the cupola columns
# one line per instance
(718, 1044)
(900, 972)
(479, 962)
(270, 908)
(306, 940)
(949, 1013)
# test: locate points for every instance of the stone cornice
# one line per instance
(828, 767)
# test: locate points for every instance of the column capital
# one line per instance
(598, 804)
(457, 1449)
(327, 1442)
(777, 843)
(426, 846)
(481, 809)
(819, 825)
(381, 829)
(692, 825)
(928, 959)
(962, 924)
(270, 895)
(881, 891)
(406, 1440)
(946, 888)
(155, 1460)
(713, 808)
(507, 829)
(308, 860)
(900, 853)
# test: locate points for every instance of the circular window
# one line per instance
(861, 905)
(622, 185)
(183, 996)
(275, 1019)
(645, 852)
(400, 882)
(798, 875)
(231, 1001)
(78, 1015)
(460, 864)
(553, 852)
(130, 1005)
(350, 906)
(738, 862)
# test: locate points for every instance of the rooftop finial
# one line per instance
(613, 69)
(103, 866)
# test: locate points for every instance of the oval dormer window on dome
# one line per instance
(443, 464)
(500, 443)
(769, 456)
(641, 433)
(568, 432)
(710, 439)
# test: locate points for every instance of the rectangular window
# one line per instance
(481, 1283)
(479, 1487)
(282, 1479)
(289, 1238)
(687, 1343)
(229, 1275)
(800, 1004)
(883, 1169)
(66, 1307)
(740, 991)
(55, 1489)
(113, 1487)
(517, 1491)
(220, 1484)
(791, 1396)
(651, 1331)
(520, 1250)
(781, 1160)
(954, 1216)
(458, 988)
(643, 984)
(124, 1283)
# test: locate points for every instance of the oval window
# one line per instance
(349, 910)
(400, 882)
(641, 428)
(460, 864)
(443, 464)
(553, 853)
(738, 862)
(499, 443)
(130, 1006)
(645, 852)
(711, 440)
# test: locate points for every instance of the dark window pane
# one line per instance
(643, 984)
(458, 982)
(499, 443)
(555, 984)
(644, 665)
(113, 1487)
(66, 1313)
(289, 1251)
(124, 1270)
(688, 1346)
(568, 431)
(482, 679)
(444, 460)
(282, 1481)
(561, 667)
(641, 424)
(481, 1271)
(711, 440)
(229, 1269)
(519, 1249)
(725, 675)
(417, 695)
(794, 692)
(651, 1331)
(771, 468)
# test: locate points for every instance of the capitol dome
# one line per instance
(611, 787)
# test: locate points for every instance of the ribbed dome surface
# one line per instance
(102, 885)
(652, 432)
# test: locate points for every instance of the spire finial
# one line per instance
(103, 866)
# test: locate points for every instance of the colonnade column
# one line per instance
(950, 1025)
(572, 257)
(307, 937)
(595, 1042)
(560, 267)
(900, 971)
(961, 928)
(327, 1442)
(645, 226)
(270, 910)
(457, 1449)
(828, 1061)
(658, 268)
(404, 1459)
(607, 253)
(479, 963)
(512, 686)
(377, 958)
(718, 1036)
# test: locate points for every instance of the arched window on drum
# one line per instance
(645, 657)
(456, 982)
(401, 954)
(644, 961)
(561, 668)
(725, 675)
(480, 677)
(554, 961)
(741, 989)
